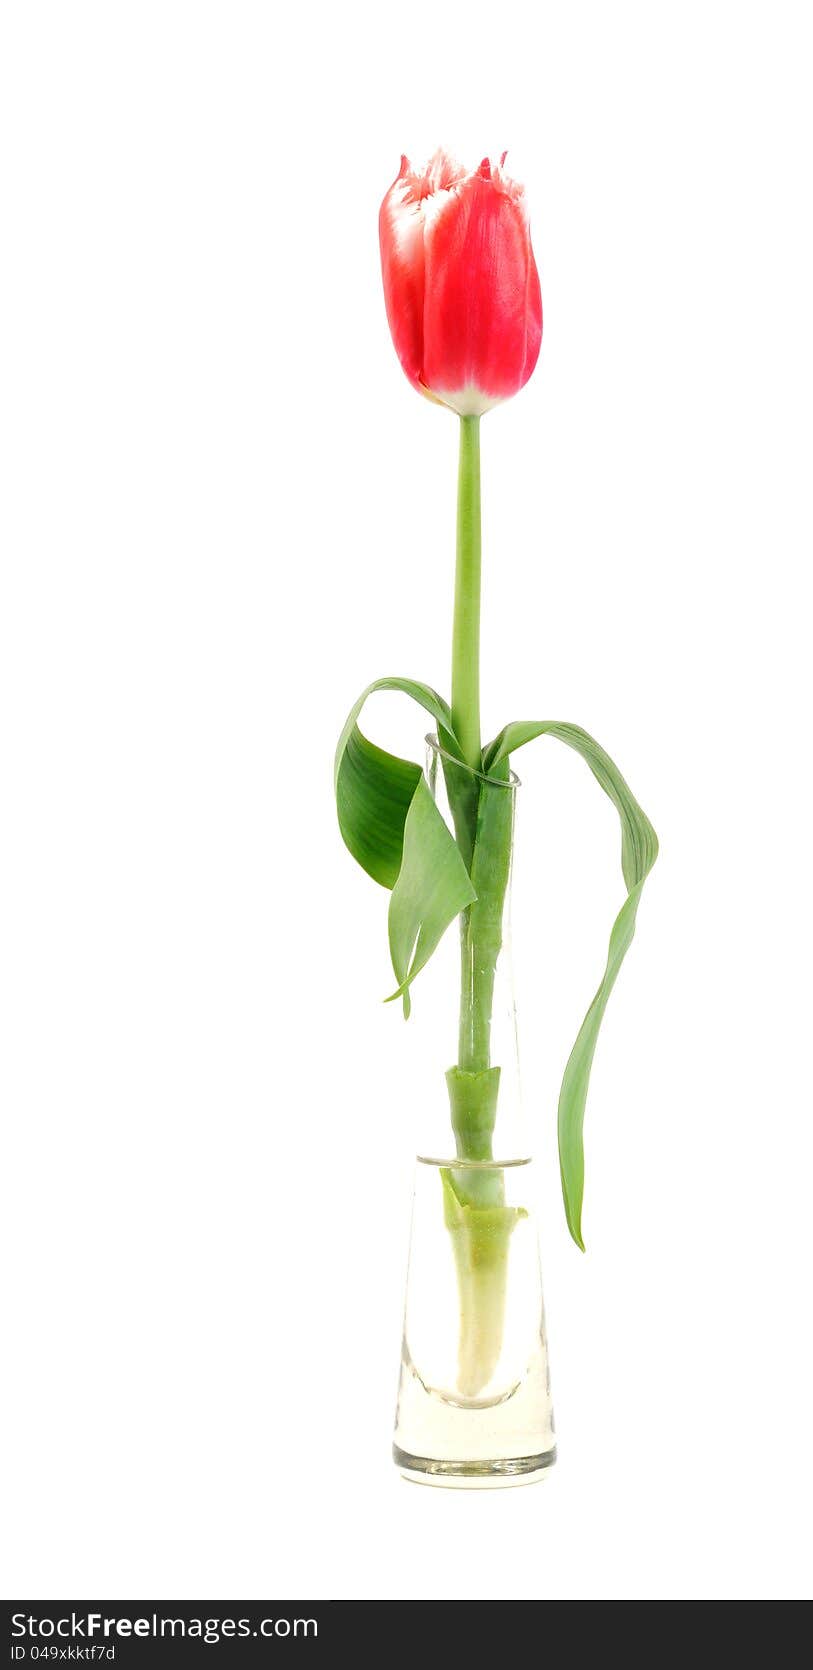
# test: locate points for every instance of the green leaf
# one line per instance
(639, 849)
(374, 789)
(373, 795)
(390, 823)
(433, 887)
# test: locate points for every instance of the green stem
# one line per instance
(477, 1218)
(464, 793)
(466, 631)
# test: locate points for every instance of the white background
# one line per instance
(224, 511)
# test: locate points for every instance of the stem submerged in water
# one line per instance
(480, 1236)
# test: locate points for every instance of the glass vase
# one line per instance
(474, 1405)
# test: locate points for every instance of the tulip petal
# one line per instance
(400, 230)
(460, 282)
(482, 319)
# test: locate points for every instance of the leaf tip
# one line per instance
(573, 1209)
(402, 992)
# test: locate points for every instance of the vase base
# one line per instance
(474, 1475)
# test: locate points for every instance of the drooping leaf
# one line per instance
(433, 887)
(374, 789)
(639, 849)
(373, 795)
(391, 825)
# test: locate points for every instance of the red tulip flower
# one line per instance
(460, 282)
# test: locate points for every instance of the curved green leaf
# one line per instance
(391, 825)
(373, 796)
(374, 789)
(432, 888)
(639, 849)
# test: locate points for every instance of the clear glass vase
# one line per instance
(474, 1405)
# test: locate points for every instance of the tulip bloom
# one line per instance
(460, 282)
